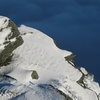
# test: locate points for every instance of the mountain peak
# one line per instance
(39, 70)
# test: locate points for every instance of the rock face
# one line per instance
(10, 39)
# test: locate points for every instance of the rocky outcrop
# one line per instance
(69, 59)
(10, 39)
(34, 75)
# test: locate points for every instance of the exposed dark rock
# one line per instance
(6, 77)
(12, 40)
(34, 75)
(80, 81)
(70, 60)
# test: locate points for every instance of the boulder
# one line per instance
(34, 75)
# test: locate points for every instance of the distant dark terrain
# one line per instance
(74, 24)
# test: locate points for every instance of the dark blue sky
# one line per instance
(74, 24)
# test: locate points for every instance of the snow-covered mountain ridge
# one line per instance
(39, 70)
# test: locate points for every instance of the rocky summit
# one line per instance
(10, 39)
(32, 67)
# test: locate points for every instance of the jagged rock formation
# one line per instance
(39, 70)
(10, 39)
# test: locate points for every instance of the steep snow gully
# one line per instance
(32, 67)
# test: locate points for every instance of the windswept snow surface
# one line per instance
(39, 53)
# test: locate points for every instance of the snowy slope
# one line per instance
(58, 79)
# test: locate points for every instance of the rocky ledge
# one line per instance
(10, 39)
